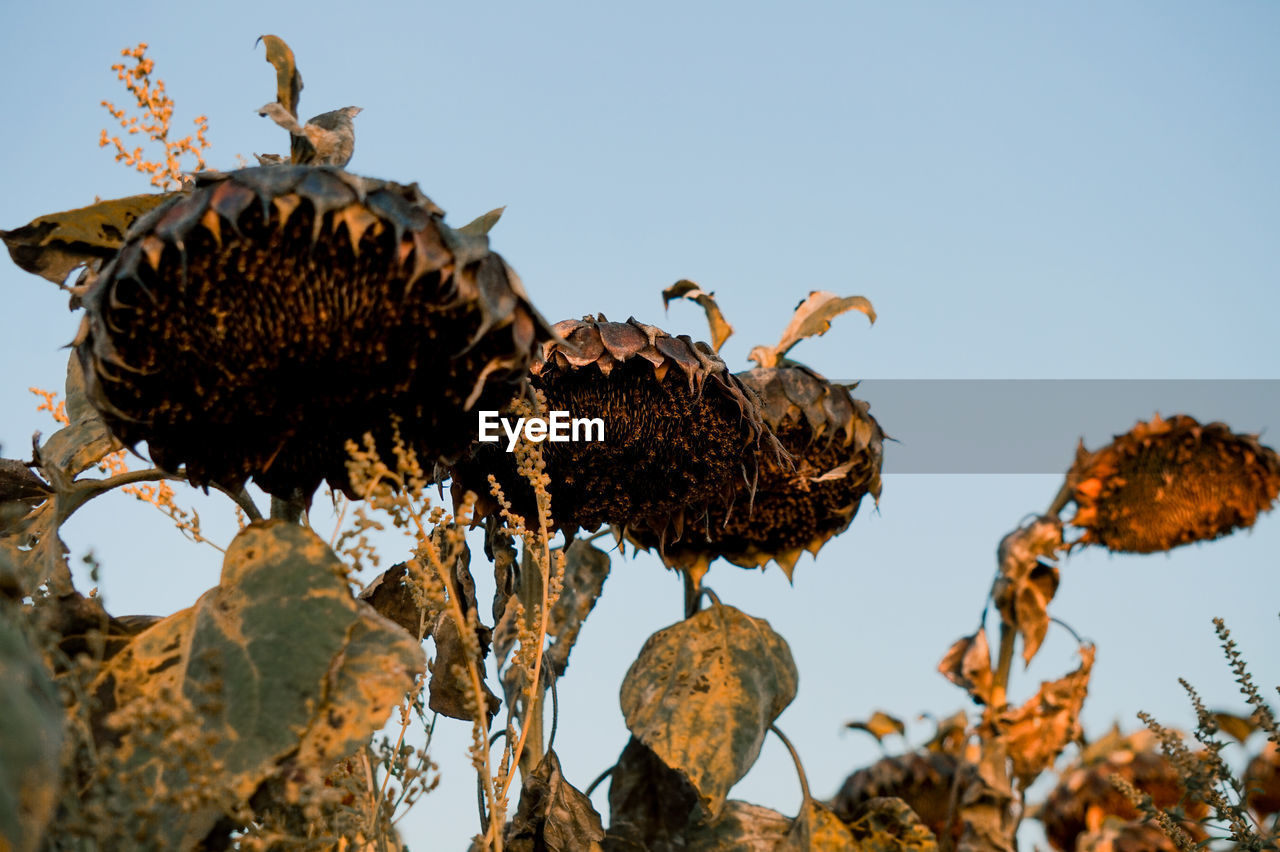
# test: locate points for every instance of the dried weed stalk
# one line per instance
(155, 109)
(1204, 773)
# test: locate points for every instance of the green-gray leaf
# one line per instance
(30, 740)
(702, 694)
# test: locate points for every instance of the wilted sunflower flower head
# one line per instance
(1171, 482)
(680, 430)
(251, 326)
(834, 452)
(1085, 797)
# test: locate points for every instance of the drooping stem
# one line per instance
(1004, 666)
(795, 758)
(1060, 501)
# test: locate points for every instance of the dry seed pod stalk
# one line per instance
(1171, 482)
(252, 326)
(1085, 796)
(836, 449)
(680, 431)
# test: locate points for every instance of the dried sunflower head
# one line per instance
(1085, 797)
(836, 450)
(925, 780)
(1262, 781)
(1171, 482)
(252, 326)
(679, 430)
(834, 453)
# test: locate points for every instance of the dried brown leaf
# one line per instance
(880, 725)
(450, 686)
(53, 245)
(1028, 580)
(1037, 732)
(651, 806)
(686, 289)
(585, 570)
(288, 80)
(1233, 725)
(553, 816)
(967, 664)
(741, 827)
(812, 319)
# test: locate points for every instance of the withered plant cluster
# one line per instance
(296, 326)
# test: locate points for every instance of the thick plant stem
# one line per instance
(1004, 666)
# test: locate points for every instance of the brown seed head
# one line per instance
(1171, 482)
(836, 449)
(679, 429)
(251, 327)
(1085, 796)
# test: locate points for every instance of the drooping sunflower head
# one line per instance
(1086, 797)
(1171, 482)
(796, 503)
(833, 447)
(679, 430)
(250, 327)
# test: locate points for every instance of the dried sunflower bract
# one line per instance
(252, 326)
(1171, 482)
(680, 430)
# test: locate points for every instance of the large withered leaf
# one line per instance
(888, 824)
(392, 597)
(686, 289)
(586, 568)
(818, 828)
(34, 551)
(51, 246)
(450, 686)
(651, 806)
(31, 730)
(288, 80)
(967, 664)
(880, 725)
(19, 484)
(741, 827)
(553, 816)
(812, 319)
(1028, 580)
(279, 659)
(1037, 732)
(83, 443)
(703, 692)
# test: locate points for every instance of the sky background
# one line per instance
(1075, 191)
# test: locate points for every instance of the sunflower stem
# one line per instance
(1060, 501)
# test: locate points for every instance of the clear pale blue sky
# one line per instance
(1087, 190)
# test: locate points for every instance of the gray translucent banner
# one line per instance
(1032, 426)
